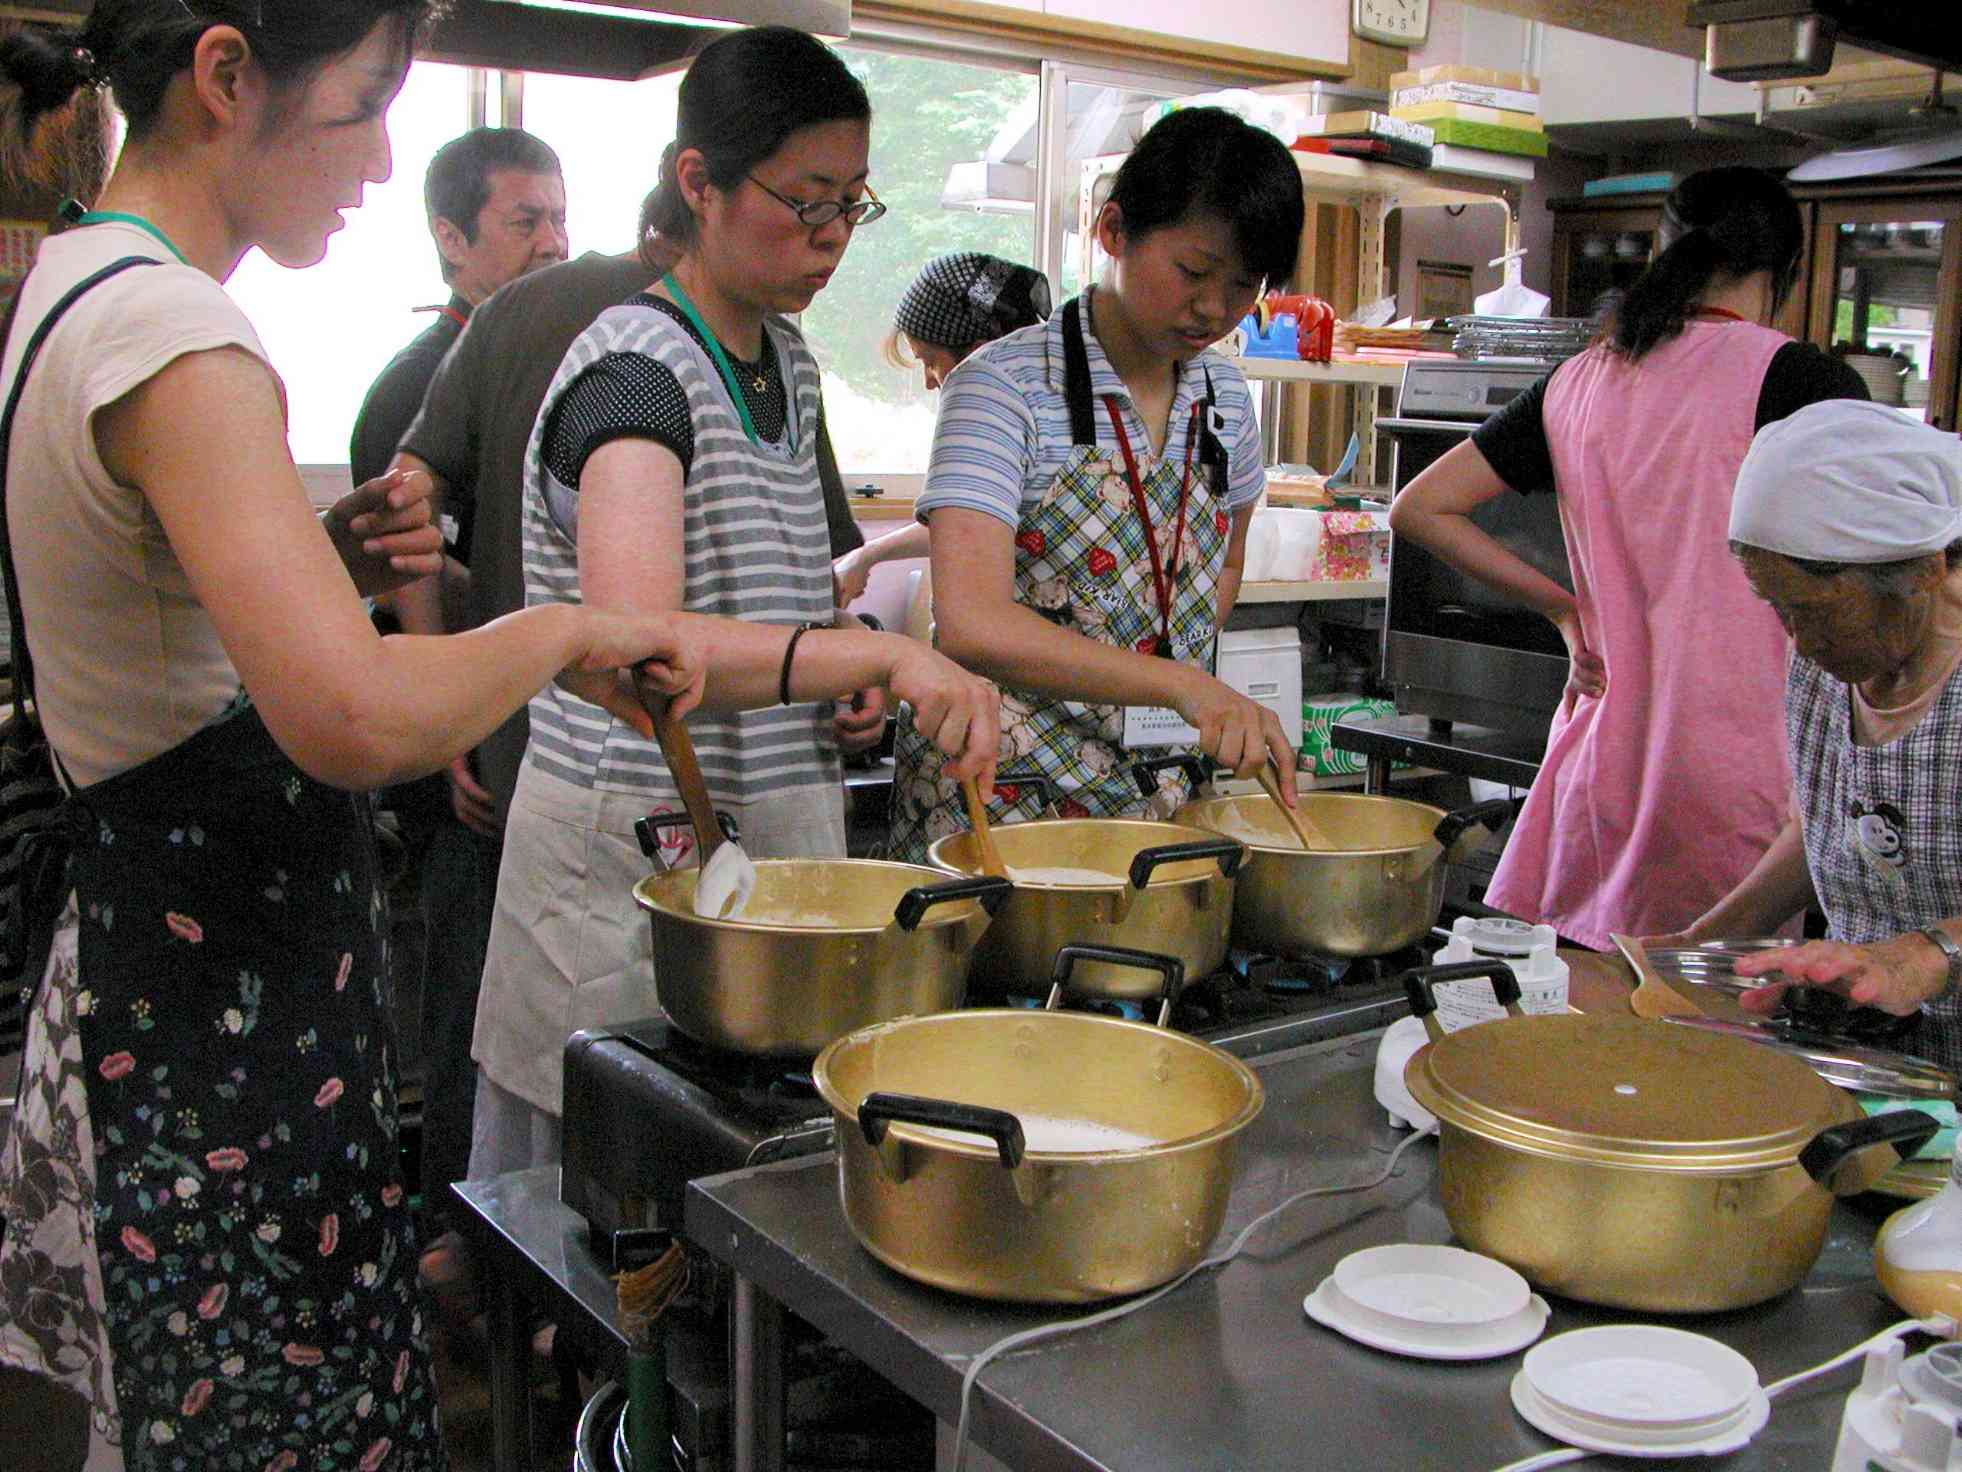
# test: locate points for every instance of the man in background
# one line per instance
(496, 204)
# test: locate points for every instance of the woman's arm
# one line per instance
(1434, 511)
(979, 623)
(630, 559)
(348, 706)
(850, 573)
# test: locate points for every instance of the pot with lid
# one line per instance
(1624, 1162)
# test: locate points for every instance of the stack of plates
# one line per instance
(1881, 374)
(1641, 1391)
(1438, 1303)
(1521, 339)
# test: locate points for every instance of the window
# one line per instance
(330, 331)
(609, 137)
(928, 116)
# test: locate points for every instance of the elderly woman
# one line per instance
(1848, 520)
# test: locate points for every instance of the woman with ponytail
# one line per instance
(673, 464)
(208, 1259)
(1665, 778)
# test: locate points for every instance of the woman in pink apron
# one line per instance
(1665, 777)
(1091, 484)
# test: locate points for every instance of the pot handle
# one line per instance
(1420, 985)
(876, 1111)
(1907, 1130)
(1042, 784)
(914, 904)
(1190, 763)
(649, 829)
(1229, 852)
(1457, 832)
(1169, 967)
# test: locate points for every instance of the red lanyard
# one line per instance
(1164, 569)
(1721, 312)
(448, 311)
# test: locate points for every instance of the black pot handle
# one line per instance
(1230, 853)
(914, 904)
(1043, 786)
(1907, 1130)
(1171, 968)
(1420, 986)
(876, 1111)
(1491, 815)
(649, 829)
(1146, 771)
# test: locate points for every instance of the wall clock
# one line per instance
(1393, 22)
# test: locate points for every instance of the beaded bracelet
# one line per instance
(789, 651)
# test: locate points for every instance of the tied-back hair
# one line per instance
(1727, 222)
(136, 47)
(1206, 159)
(59, 147)
(743, 95)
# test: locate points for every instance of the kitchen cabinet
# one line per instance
(1881, 272)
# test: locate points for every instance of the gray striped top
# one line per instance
(755, 546)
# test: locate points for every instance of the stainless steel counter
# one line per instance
(1228, 1372)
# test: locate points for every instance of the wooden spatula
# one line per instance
(727, 877)
(1305, 827)
(1653, 997)
(984, 841)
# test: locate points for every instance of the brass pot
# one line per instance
(1170, 892)
(941, 1124)
(1625, 1162)
(823, 946)
(1379, 893)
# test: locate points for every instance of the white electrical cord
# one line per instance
(1937, 1324)
(1219, 1259)
(1558, 1457)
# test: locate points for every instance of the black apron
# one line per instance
(252, 1226)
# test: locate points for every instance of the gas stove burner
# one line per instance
(1099, 1006)
(736, 1075)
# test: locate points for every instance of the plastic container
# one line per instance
(1530, 950)
(1917, 1255)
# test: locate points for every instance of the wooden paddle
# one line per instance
(1653, 997)
(1304, 827)
(984, 841)
(725, 888)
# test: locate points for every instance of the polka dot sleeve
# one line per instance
(622, 396)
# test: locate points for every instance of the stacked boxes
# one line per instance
(1484, 121)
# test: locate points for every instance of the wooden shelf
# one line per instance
(1321, 591)
(1283, 370)
(1329, 177)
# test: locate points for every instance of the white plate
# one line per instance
(1326, 1306)
(1711, 1442)
(1641, 1378)
(1411, 1285)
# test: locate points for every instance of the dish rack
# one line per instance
(1520, 339)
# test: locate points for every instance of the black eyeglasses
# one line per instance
(823, 211)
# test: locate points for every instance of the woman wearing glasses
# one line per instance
(672, 466)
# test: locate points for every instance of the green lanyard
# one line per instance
(117, 217)
(715, 351)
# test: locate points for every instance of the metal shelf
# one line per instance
(1384, 374)
(1328, 177)
(1322, 590)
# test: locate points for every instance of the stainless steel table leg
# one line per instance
(1377, 778)
(510, 1385)
(757, 1404)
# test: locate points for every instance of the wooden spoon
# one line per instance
(1654, 997)
(984, 841)
(1305, 827)
(727, 877)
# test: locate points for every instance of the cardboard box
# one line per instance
(1489, 139)
(1508, 98)
(1366, 125)
(1468, 112)
(1478, 76)
(1354, 547)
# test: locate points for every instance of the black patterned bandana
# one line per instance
(959, 300)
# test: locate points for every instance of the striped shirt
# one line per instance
(1004, 426)
(755, 546)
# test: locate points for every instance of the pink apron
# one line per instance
(1656, 798)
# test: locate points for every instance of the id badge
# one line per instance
(1150, 726)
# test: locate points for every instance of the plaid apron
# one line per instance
(1082, 561)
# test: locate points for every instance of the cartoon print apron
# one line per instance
(1087, 560)
(203, 1190)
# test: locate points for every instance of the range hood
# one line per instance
(617, 39)
(1763, 40)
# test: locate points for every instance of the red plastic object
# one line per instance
(1314, 324)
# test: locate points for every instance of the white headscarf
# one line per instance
(1848, 481)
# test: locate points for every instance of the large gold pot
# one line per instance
(823, 946)
(1169, 891)
(1626, 1162)
(1378, 891)
(939, 1123)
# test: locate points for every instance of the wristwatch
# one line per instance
(1945, 943)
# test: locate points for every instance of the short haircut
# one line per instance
(458, 182)
(1206, 159)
